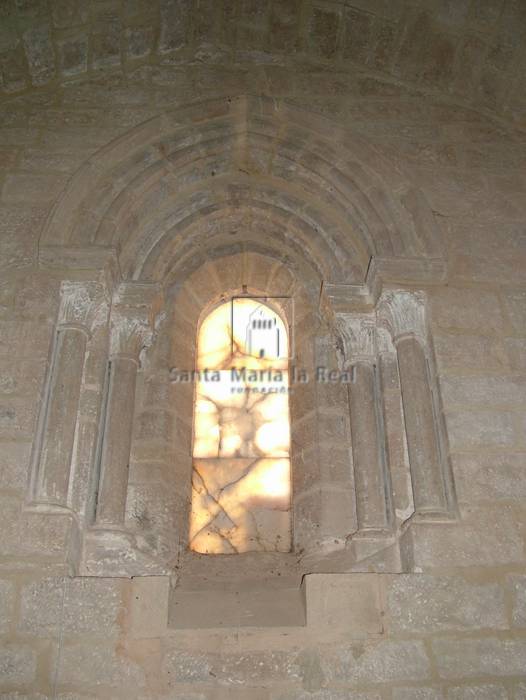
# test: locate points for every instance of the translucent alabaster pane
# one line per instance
(242, 332)
(239, 415)
(240, 505)
(241, 468)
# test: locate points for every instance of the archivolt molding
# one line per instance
(321, 193)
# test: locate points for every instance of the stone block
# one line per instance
(40, 54)
(385, 662)
(516, 352)
(468, 310)
(139, 41)
(105, 42)
(515, 305)
(74, 606)
(149, 606)
(22, 377)
(284, 23)
(38, 696)
(469, 542)
(506, 391)
(23, 338)
(490, 477)
(326, 694)
(252, 26)
(32, 533)
(17, 664)
(426, 693)
(14, 464)
(68, 13)
(454, 351)
(336, 464)
(358, 27)
(182, 666)
(518, 587)
(189, 695)
(256, 607)
(17, 418)
(7, 600)
(484, 657)
(251, 668)
(73, 55)
(478, 692)
(17, 231)
(155, 424)
(323, 518)
(323, 34)
(257, 668)
(425, 604)
(13, 68)
(175, 19)
(304, 430)
(153, 507)
(482, 429)
(101, 665)
(349, 602)
(333, 427)
(30, 189)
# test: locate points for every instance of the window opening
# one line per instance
(241, 448)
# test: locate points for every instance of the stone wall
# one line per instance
(455, 627)
(440, 636)
(473, 49)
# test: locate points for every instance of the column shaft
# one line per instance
(116, 442)
(367, 448)
(61, 416)
(422, 440)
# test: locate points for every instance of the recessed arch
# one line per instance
(329, 197)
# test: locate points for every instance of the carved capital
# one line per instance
(358, 334)
(403, 314)
(130, 333)
(82, 304)
(132, 320)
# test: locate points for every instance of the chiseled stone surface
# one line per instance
(254, 668)
(426, 693)
(114, 668)
(37, 696)
(336, 694)
(469, 542)
(490, 477)
(17, 664)
(486, 657)
(7, 600)
(75, 606)
(478, 692)
(441, 603)
(518, 588)
(384, 662)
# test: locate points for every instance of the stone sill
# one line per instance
(322, 602)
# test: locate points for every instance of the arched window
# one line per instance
(241, 446)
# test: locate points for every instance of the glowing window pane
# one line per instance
(241, 462)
